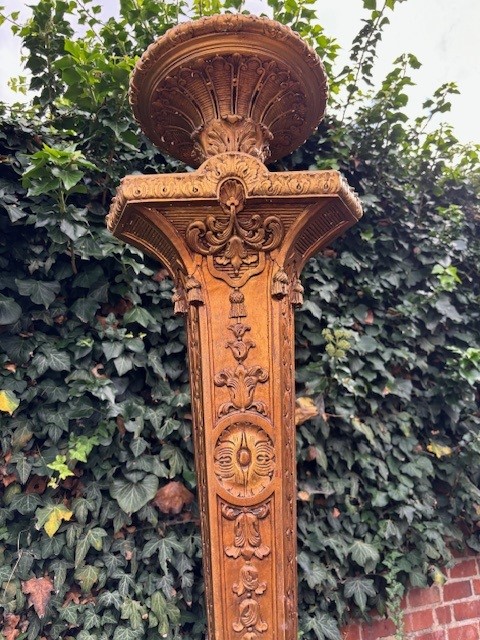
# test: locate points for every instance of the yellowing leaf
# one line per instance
(8, 402)
(303, 495)
(305, 410)
(439, 450)
(55, 517)
(437, 576)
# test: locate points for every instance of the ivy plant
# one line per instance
(99, 531)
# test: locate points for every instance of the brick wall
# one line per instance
(450, 612)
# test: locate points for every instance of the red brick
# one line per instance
(467, 632)
(352, 632)
(432, 635)
(457, 590)
(476, 587)
(464, 569)
(423, 597)
(464, 553)
(444, 614)
(419, 620)
(378, 629)
(466, 610)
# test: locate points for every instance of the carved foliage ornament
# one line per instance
(231, 133)
(233, 243)
(247, 541)
(241, 381)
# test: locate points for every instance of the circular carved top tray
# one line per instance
(228, 83)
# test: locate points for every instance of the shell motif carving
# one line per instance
(244, 459)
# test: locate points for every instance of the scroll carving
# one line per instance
(233, 244)
(241, 381)
(249, 582)
(249, 546)
(249, 619)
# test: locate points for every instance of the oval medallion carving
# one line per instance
(244, 459)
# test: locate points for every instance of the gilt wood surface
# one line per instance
(235, 238)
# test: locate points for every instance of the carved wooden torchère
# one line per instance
(228, 93)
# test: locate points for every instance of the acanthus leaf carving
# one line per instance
(241, 381)
(231, 133)
(234, 243)
(247, 537)
(249, 582)
(249, 619)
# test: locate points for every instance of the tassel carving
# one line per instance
(297, 293)
(237, 300)
(194, 291)
(179, 301)
(280, 284)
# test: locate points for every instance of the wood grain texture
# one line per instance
(235, 251)
(229, 92)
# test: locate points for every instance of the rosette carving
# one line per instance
(244, 459)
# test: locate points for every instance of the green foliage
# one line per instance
(94, 393)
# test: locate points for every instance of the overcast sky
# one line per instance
(443, 34)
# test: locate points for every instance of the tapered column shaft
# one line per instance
(235, 238)
(242, 390)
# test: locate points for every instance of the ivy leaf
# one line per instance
(123, 364)
(314, 573)
(140, 315)
(132, 496)
(10, 311)
(365, 554)
(8, 402)
(439, 450)
(51, 517)
(109, 599)
(175, 459)
(324, 627)
(25, 503)
(22, 466)
(359, 589)
(38, 591)
(125, 633)
(167, 613)
(86, 577)
(138, 446)
(43, 293)
(51, 358)
(93, 538)
(85, 309)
